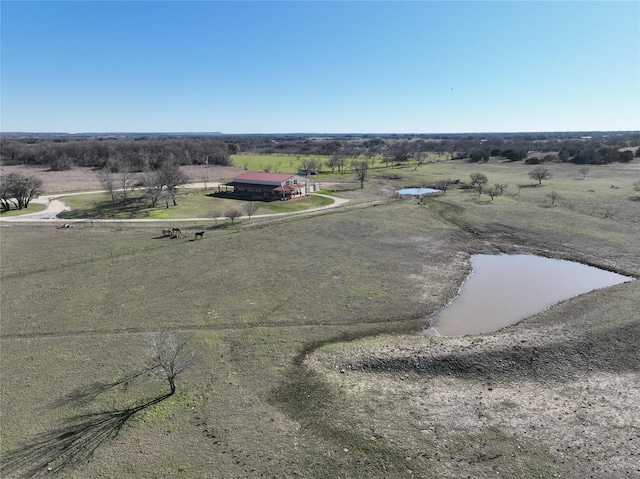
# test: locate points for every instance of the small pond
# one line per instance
(417, 191)
(505, 289)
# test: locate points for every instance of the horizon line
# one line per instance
(217, 133)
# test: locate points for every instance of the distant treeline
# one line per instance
(512, 146)
(148, 152)
(138, 154)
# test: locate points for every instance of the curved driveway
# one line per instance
(55, 206)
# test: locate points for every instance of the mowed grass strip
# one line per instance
(190, 204)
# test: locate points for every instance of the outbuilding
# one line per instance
(283, 186)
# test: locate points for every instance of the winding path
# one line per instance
(55, 206)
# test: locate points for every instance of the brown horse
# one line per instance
(200, 234)
(176, 233)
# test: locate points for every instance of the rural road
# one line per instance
(55, 205)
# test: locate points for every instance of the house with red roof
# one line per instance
(282, 186)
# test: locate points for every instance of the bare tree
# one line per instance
(126, 180)
(361, 167)
(250, 208)
(553, 196)
(540, 174)
(215, 214)
(443, 185)
(152, 186)
(170, 176)
(583, 171)
(479, 180)
(107, 180)
(496, 190)
(166, 357)
(19, 189)
(233, 214)
(419, 159)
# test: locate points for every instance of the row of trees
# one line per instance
(144, 152)
(161, 184)
(18, 190)
(365, 145)
(138, 154)
(479, 180)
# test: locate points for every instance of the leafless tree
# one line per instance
(18, 189)
(170, 176)
(107, 180)
(583, 171)
(496, 190)
(361, 167)
(126, 180)
(233, 214)
(553, 196)
(167, 357)
(250, 207)
(215, 214)
(479, 180)
(419, 159)
(540, 174)
(152, 186)
(334, 162)
(442, 185)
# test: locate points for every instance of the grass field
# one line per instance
(275, 313)
(33, 208)
(194, 203)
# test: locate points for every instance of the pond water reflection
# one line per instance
(417, 191)
(504, 289)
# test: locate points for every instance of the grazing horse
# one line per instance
(176, 233)
(200, 234)
(166, 233)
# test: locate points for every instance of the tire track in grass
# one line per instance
(205, 327)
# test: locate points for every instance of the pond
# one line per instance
(417, 191)
(505, 289)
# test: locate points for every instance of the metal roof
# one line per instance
(260, 176)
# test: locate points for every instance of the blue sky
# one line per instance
(323, 67)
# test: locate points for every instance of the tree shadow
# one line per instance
(86, 394)
(76, 440)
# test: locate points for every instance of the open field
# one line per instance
(276, 312)
(192, 203)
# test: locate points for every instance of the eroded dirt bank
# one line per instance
(555, 396)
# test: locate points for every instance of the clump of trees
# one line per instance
(138, 153)
(18, 190)
(118, 181)
(602, 156)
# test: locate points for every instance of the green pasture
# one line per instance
(194, 203)
(77, 304)
(33, 208)
(291, 163)
(274, 163)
